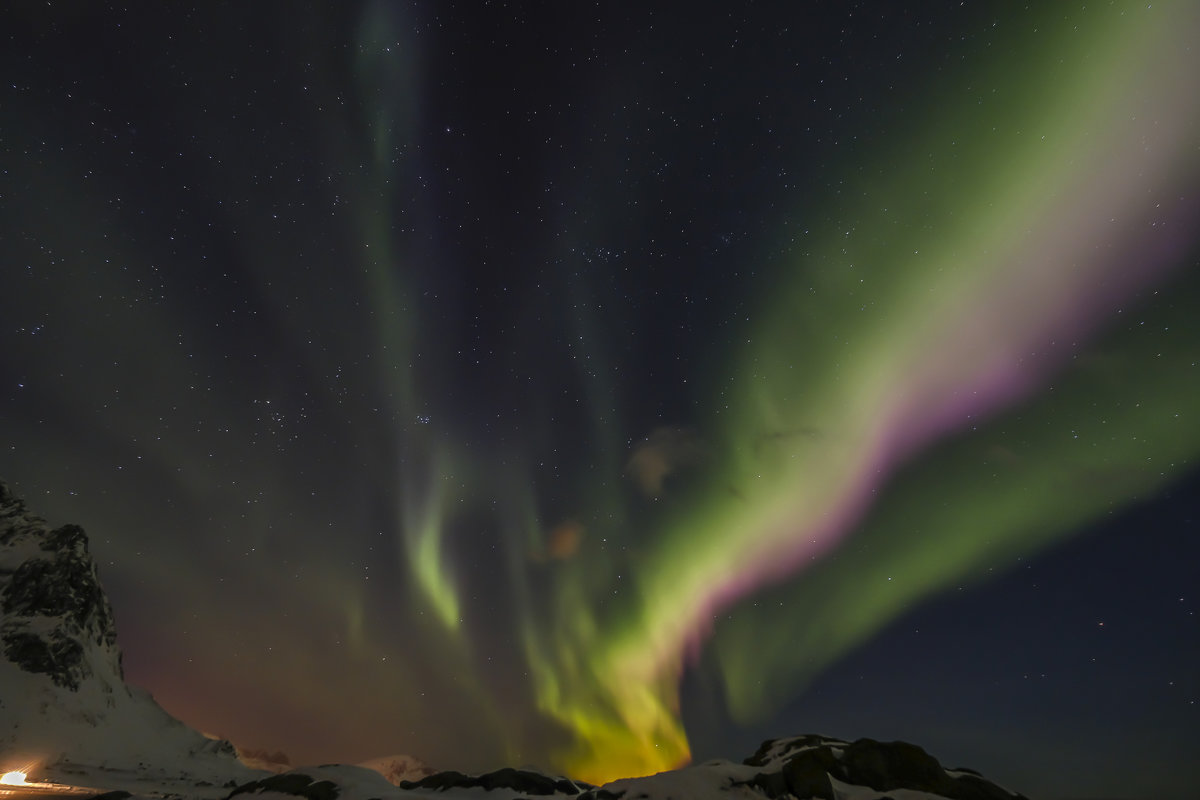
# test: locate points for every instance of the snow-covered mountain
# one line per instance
(66, 710)
(64, 705)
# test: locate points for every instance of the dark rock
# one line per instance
(810, 761)
(518, 780)
(64, 586)
(439, 780)
(119, 794)
(772, 784)
(893, 765)
(57, 656)
(54, 609)
(771, 749)
(242, 788)
(528, 782)
(806, 774)
(65, 538)
(294, 783)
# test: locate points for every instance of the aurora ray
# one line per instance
(962, 289)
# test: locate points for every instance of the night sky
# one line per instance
(585, 385)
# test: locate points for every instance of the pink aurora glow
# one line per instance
(1114, 233)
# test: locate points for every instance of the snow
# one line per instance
(783, 749)
(103, 734)
(847, 791)
(108, 736)
(354, 783)
(712, 780)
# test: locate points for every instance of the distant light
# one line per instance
(13, 778)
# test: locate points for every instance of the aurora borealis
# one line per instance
(527, 385)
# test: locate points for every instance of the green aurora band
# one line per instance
(916, 386)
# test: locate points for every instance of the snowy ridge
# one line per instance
(795, 768)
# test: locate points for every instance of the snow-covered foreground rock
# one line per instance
(798, 767)
(67, 715)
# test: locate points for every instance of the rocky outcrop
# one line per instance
(63, 697)
(794, 768)
(807, 766)
(296, 784)
(329, 782)
(56, 618)
(522, 781)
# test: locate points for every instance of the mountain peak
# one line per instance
(65, 700)
(57, 619)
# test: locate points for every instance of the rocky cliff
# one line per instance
(56, 619)
(63, 697)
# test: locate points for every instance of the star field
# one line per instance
(601, 387)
